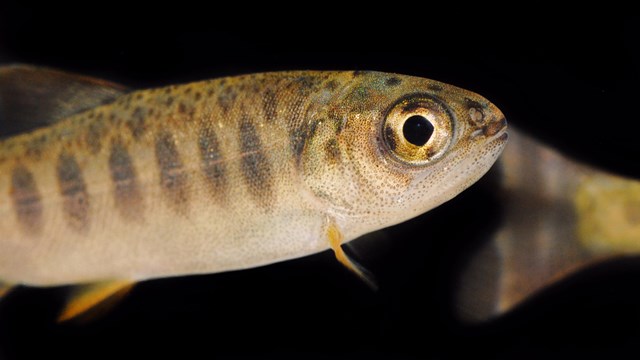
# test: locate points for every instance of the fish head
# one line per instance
(398, 147)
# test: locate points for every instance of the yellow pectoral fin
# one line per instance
(335, 240)
(88, 297)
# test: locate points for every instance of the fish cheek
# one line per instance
(323, 160)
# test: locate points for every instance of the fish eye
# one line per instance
(418, 129)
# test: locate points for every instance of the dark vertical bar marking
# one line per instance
(298, 136)
(137, 123)
(94, 136)
(74, 191)
(255, 165)
(270, 105)
(212, 163)
(226, 98)
(126, 191)
(27, 201)
(173, 179)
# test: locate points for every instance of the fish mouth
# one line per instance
(499, 141)
(496, 131)
(492, 131)
(495, 128)
(503, 136)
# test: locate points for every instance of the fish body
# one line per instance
(232, 173)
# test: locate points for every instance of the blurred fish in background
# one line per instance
(559, 217)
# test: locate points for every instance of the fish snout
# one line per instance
(488, 121)
(495, 127)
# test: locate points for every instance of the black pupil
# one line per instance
(417, 130)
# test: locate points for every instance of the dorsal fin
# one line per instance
(33, 97)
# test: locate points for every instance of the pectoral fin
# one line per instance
(335, 240)
(100, 296)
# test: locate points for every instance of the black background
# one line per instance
(572, 83)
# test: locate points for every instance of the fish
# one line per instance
(103, 187)
(561, 217)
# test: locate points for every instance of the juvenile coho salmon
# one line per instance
(107, 187)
